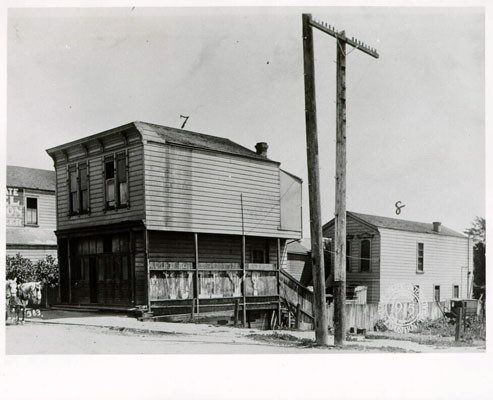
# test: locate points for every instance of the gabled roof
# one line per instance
(401, 225)
(197, 140)
(297, 248)
(165, 134)
(31, 236)
(30, 178)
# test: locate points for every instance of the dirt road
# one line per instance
(116, 335)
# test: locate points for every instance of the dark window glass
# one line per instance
(455, 293)
(348, 255)
(107, 244)
(257, 256)
(421, 257)
(437, 293)
(365, 255)
(110, 183)
(110, 169)
(84, 192)
(31, 211)
(416, 292)
(74, 195)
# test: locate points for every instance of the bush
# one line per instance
(24, 270)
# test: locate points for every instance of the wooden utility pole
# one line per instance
(340, 201)
(318, 272)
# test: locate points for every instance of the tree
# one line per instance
(478, 234)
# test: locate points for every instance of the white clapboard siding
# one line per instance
(96, 191)
(445, 262)
(370, 279)
(193, 190)
(34, 254)
(46, 207)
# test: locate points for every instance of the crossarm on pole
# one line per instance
(322, 26)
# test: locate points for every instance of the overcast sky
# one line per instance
(415, 116)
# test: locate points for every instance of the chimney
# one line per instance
(261, 148)
(437, 227)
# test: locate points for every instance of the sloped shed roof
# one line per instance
(31, 236)
(30, 178)
(165, 134)
(297, 248)
(404, 225)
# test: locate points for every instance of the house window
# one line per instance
(455, 292)
(348, 256)
(83, 188)
(78, 188)
(31, 211)
(258, 256)
(73, 187)
(365, 255)
(436, 292)
(420, 257)
(327, 242)
(116, 180)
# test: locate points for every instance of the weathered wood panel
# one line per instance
(445, 262)
(214, 284)
(171, 285)
(356, 233)
(365, 316)
(192, 190)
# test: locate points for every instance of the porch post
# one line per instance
(69, 263)
(196, 274)
(279, 281)
(243, 265)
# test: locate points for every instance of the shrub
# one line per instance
(24, 270)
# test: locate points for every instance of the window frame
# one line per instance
(368, 259)
(458, 291)
(76, 167)
(117, 179)
(348, 255)
(418, 256)
(26, 199)
(435, 294)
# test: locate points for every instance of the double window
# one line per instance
(78, 176)
(31, 211)
(116, 181)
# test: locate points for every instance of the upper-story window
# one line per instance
(365, 255)
(420, 258)
(78, 188)
(31, 211)
(116, 180)
(348, 255)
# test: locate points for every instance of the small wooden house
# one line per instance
(382, 252)
(31, 215)
(173, 221)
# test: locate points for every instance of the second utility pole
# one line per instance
(340, 203)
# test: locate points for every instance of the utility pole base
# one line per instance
(339, 310)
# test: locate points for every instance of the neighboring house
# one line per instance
(166, 218)
(298, 256)
(31, 213)
(382, 252)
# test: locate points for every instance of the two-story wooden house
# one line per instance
(172, 220)
(31, 218)
(382, 252)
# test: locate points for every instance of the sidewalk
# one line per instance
(228, 333)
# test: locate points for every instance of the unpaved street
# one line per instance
(120, 335)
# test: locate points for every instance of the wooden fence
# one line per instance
(365, 316)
